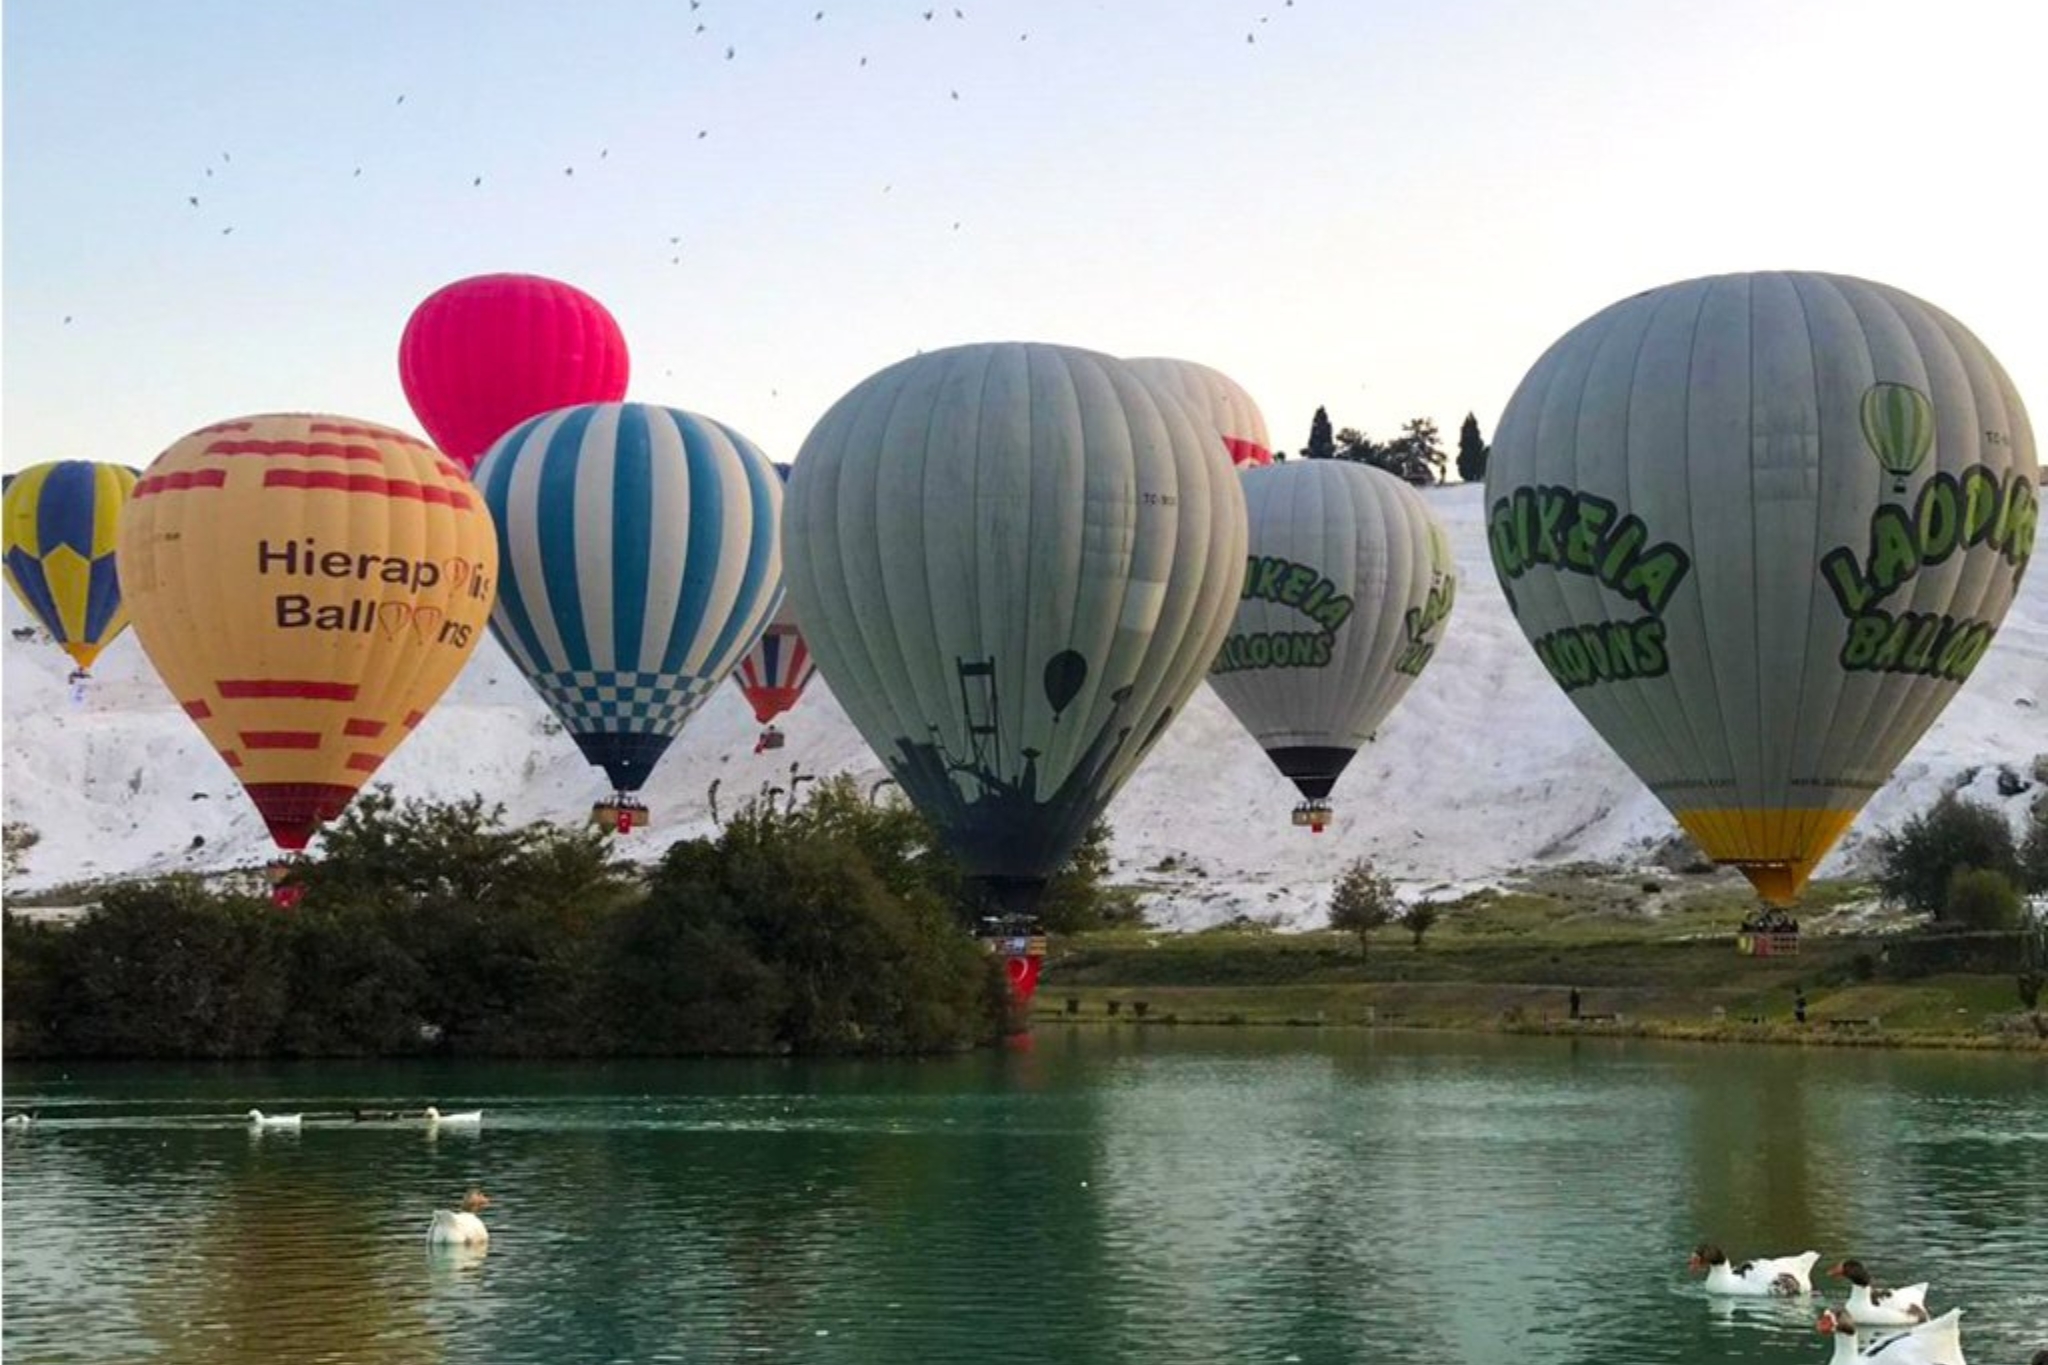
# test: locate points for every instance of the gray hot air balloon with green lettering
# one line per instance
(1348, 582)
(1013, 562)
(1761, 528)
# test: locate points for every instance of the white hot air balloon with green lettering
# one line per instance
(1348, 581)
(1210, 393)
(1761, 528)
(1013, 562)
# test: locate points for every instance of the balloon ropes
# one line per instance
(308, 587)
(1014, 562)
(482, 355)
(1348, 582)
(773, 674)
(642, 554)
(1213, 395)
(61, 524)
(1760, 528)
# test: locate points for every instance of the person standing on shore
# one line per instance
(1575, 1002)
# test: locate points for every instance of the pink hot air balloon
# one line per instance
(482, 355)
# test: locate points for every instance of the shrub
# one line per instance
(1420, 917)
(2033, 853)
(1917, 861)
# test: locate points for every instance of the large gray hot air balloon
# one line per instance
(1213, 394)
(1014, 562)
(1348, 580)
(1761, 527)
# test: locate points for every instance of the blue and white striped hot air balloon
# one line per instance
(640, 557)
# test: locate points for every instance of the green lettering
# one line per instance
(1938, 519)
(1866, 633)
(1298, 581)
(1845, 578)
(1893, 556)
(1584, 537)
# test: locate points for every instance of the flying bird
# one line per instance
(728, 54)
(359, 171)
(956, 94)
(604, 153)
(568, 170)
(474, 183)
(401, 99)
(225, 231)
(703, 133)
(193, 200)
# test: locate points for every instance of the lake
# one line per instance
(1136, 1194)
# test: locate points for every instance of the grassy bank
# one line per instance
(1508, 963)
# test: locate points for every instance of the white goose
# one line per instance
(259, 1119)
(18, 1120)
(1783, 1277)
(461, 1227)
(1939, 1342)
(1868, 1307)
(467, 1118)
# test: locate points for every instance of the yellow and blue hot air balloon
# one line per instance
(642, 557)
(61, 520)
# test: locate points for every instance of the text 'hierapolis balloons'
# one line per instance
(1014, 562)
(1761, 527)
(307, 586)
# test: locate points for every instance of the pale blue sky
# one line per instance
(1388, 208)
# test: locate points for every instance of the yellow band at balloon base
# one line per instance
(1777, 849)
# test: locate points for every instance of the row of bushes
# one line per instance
(837, 926)
(1959, 863)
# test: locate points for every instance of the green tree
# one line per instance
(1419, 918)
(2034, 847)
(1417, 454)
(1917, 860)
(1981, 899)
(1362, 902)
(1321, 445)
(1079, 895)
(1472, 451)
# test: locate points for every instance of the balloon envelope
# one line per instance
(1211, 394)
(307, 587)
(482, 355)
(773, 674)
(1760, 528)
(1013, 562)
(61, 523)
(1348, 581)
(642, 554)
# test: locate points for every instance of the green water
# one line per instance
(1142, 1196)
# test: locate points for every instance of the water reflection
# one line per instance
(1139, 1196)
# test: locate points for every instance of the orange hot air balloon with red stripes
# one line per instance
(308, 587)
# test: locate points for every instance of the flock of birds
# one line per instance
(450, 1227)
(1888, 1325)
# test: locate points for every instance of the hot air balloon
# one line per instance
(1348, 581)
(1219, 398)
(642, 557)
(774, 673)
(482, 355)
(61, 520)
(1760, 528)
(1014, 562)
(307, 586)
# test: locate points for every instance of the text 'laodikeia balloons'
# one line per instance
(482, 355)
(1216, 396)
(307, 587)
(642, 557)
(61, 522)
(1348, 581)
(1761, 527)
(1014, 562)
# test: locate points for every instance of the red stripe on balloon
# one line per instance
(225, 426)
(374, 433)
(364, 763)
(198, 710)
(413, 718)
(179, 482)
(332, 450)
(303, 689)
(234, 760)
(366, 483)
(280, 739)
(358, 728)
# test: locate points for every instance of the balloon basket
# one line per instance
(771, 738)
(1313, 816)
(284, 893)
(620, 815)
